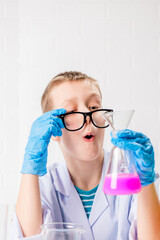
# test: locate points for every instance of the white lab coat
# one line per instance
(111, 218)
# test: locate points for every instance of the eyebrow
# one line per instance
(94, 95)
(88, 99)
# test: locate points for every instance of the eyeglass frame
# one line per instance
(85, 114)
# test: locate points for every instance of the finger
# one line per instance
(42, 124)
(58, 112)
(58, 121)
(126, 145)
(141, 141)
(126, 133)
(55, 112)
(59, 133)
(145, 155)
(56, 132)
(134, 144)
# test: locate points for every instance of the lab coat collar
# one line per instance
(63, 182)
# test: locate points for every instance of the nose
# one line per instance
(88, 119)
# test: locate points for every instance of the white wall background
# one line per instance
(114, 41)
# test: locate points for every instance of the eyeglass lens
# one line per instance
(75, 121)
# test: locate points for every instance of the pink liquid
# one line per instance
(121, 184)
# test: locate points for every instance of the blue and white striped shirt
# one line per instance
(87, 198)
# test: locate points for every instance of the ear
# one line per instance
(56, 138)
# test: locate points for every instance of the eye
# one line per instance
(93, 107)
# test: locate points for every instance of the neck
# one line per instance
(85, 174)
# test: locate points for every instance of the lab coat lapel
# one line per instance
(101, 201)
(100, 204)
(73, 204)
(78, 215)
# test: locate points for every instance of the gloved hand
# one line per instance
(35, 158)
(140, 149)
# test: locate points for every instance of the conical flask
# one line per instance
(121, 176)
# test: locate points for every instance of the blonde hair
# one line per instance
(46, 103)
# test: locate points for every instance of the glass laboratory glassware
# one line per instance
(62, 231)
(121, 177)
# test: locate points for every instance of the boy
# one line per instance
(72, 107)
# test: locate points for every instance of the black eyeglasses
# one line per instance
(74, 121)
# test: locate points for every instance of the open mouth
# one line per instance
(89, 138)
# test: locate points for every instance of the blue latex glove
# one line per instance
(35, 158)
(140, 149)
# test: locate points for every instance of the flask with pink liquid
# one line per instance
(121, 177)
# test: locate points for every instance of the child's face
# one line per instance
(79, 96)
